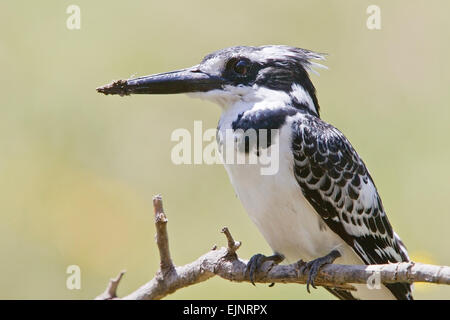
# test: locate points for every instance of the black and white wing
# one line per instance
(335, 181)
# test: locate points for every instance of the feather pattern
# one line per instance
(335, 181)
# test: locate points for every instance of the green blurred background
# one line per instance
(78, 169)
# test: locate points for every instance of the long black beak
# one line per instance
(180, 81)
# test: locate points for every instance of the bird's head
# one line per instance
(236, 74)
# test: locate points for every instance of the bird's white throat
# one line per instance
(254, 97)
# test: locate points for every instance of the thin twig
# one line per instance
(162, 237)
(111, 290)
(232, 245)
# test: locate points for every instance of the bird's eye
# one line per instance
(241, 67)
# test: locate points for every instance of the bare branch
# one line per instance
(162, 238)
(224, 262)
(232, 245)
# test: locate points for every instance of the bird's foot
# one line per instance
(257, 261)
(315, 265)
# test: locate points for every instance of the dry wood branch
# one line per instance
(111, 290)
(232, 245)
(224, 263)
(162, 238)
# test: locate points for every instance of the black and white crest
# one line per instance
(277, 68)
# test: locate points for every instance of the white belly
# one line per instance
(276, 205)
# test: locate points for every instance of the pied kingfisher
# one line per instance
(322, 204)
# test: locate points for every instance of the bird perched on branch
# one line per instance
(320, 204)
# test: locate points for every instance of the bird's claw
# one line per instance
(257, 261)
(314, 266)
(253, 264)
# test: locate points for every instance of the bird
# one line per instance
(321, 205)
